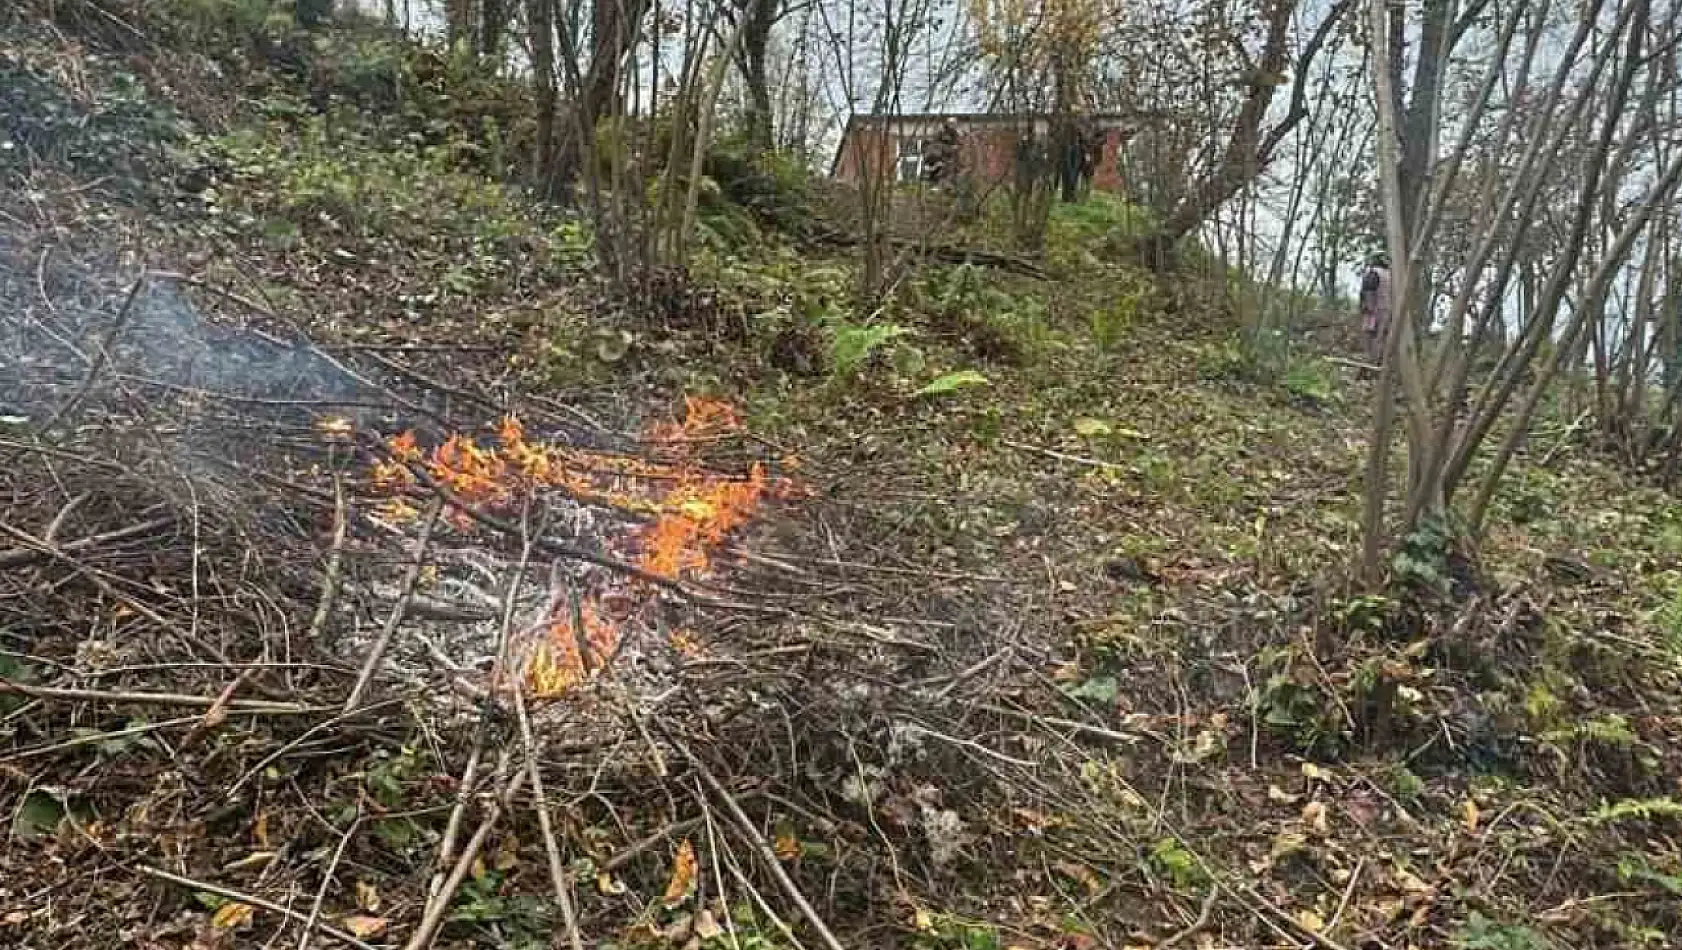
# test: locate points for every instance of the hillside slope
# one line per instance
(1029, 624)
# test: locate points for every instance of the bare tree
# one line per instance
(1582, 114)
(1251, 142)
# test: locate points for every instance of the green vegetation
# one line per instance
(1110, 513)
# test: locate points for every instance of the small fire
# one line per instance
(696, 516)
(690, 512)
(556, 665)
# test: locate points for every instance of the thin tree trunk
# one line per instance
(540, 17)
(758, 17)
(1598, 288)
(1384, 405)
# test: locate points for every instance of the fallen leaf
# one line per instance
(1470, 811)
(256, 859)
(261, 831)
(363, 926)
(682, 883)
(1032, 821)
(1277, 794)
(507, 854)
(367, 897)
(608, 884)
(1310, 921)
(1088, 428)
(1078, 872)
(787, 845)
(1389, 908)
(231, 916)
(1410, 882)
(1286, 843)
(1314, 816)
(705, 926)
(923, 921)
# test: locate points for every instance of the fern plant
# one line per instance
(851, 344)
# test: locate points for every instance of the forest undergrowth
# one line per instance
(1050, 642)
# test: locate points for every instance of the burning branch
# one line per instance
(681, 514)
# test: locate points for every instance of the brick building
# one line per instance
(986, 145)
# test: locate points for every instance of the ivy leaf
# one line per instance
(39, 814)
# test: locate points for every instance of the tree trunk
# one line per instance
(614, 25)
(493, 24)
(458, 21)
(758, 16)
(540, 16)
(1248, 151)
(311, 14)
(1384, 404)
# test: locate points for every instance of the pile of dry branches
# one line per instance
(226, 671)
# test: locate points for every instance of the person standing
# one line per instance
(940, 161)
(1375, 306)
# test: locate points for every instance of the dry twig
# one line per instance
(761, 847)
(410, 578)
(252, 900)
(433, 917)
(236, 706)
(557, 870)
(326, 882)
(335, 558)
(100, 358)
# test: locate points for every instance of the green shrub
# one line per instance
(966, 304)
(1110, 322)
(1312, 381)
(1102, 220)
(214, 25)
(119, 133)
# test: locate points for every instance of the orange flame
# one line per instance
(693, 510)
(697, 516)
(556, 665)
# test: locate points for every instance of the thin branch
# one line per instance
(557, 870)
(101, 357)
(252, 900)
(410, 579)
(760, 846)
(326, 882)
(235, 706)
(440, 902)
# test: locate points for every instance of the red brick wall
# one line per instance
(864, 148)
